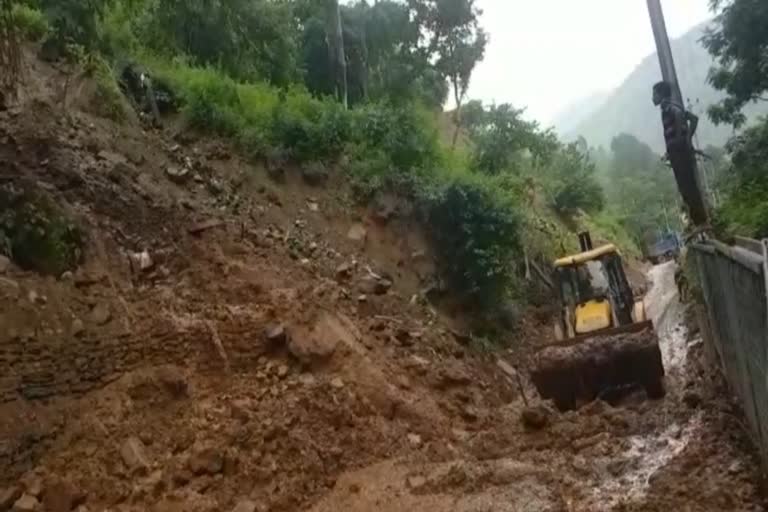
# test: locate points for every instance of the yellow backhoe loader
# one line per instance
(603, 340)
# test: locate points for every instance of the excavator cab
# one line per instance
(604, 344)
(594, 293)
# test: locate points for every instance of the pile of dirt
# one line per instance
(232, 342)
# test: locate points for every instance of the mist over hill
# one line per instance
(628, 109)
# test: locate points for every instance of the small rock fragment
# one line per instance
(282, 371)
(414, 440)
(27, 503)
(416, 482)
(101, 314)
(275, 334)
(133, 453)
(337, 383)
(177, 174)
(343, 271)
(535, 418)
(357, 232)
(206, 461)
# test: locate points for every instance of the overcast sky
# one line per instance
(546, 54)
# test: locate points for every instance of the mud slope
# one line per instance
(234, 343)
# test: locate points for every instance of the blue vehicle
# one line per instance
(664, 247)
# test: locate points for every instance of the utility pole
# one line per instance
(686, 174)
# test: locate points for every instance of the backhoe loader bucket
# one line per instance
(579, 370)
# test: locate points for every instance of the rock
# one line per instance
(403, 336)
(344, 271)
(206, 461)
(78, 327)
(67, 276)
(100, 314)
(134, 455)
(414, 440)
(382, 286)
(181, 477)
(337, 383)
(375, 286)
(178, 175)
(282, 371)
(310, 347)
(469, 413)
(357, 232)
(33, 485)
(240, 410)
(452, 376)
(35, 298)
(245, 506)
(276, 334)
(27, 503)
(5, 264)
(277, 160)
(8, 497)
(61, 496)
(507, 368)
(416, 482)
(9, 288)
(535, 418)
(692, 399)
(315, 174)
(384, 208)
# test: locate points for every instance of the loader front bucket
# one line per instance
(576, 371)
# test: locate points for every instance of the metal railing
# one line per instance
(733, 284)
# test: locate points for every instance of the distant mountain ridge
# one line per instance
(629, 109)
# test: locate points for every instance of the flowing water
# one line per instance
(650, 452)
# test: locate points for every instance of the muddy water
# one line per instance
(650, 452)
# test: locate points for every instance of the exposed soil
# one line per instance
(233, 343)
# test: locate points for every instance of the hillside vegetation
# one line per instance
(352, 87)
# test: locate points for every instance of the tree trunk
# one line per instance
(10, 54)
(457, 113)
(340, 60)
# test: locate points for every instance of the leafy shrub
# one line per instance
(479, 232)
(110, 102)
(31, 22)
(35, 234)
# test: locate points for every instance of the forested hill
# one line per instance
(629, 109)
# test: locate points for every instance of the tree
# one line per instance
(336, 34)
(739, 43)
(10, 53)
(456, 41)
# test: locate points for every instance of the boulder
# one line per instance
(9, 288)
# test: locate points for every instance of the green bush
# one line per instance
(35, 234)
(479, 233)
(31, 22)
(110, 102)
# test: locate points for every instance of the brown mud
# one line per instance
(230, 343)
